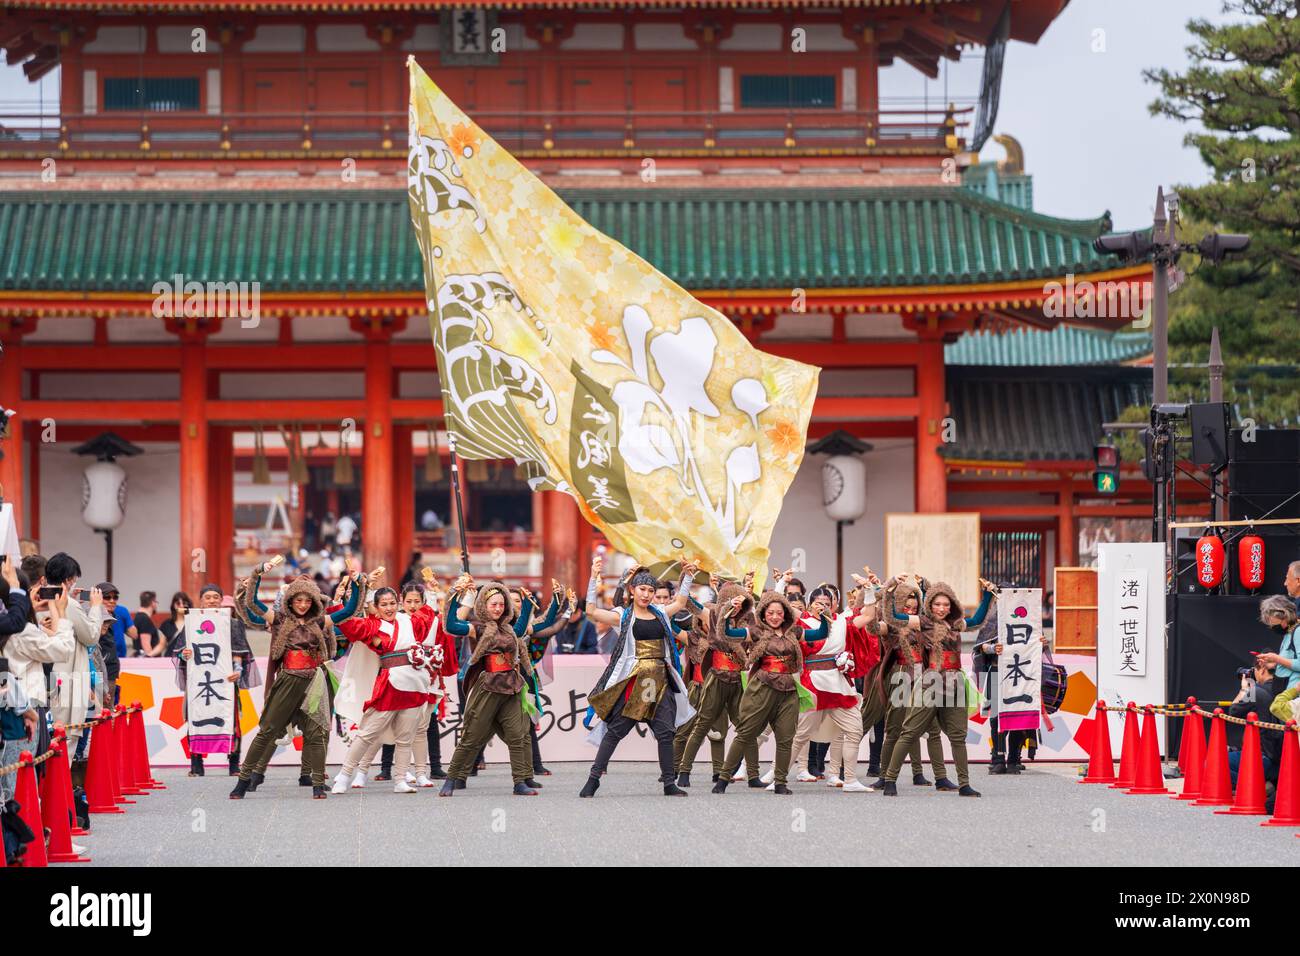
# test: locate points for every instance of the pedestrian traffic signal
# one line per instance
(1106, 478)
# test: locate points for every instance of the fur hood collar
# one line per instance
(955, 612)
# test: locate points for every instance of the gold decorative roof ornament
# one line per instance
(1014, 163)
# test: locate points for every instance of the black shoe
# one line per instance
(540, 771)
(304, 780)
(873, 770)
(320, 793)
(382, 777)
(918, 780)
(943, 783)
(720, 785)
(997, 768)
(714, 778)
(1015, 768)
(255, 781)
(878, 784)
(437, 773)
(590, 787)
(532, 783)
(672, 790)
(968, 791)
(460, 784)
(890, 788)
(234, 768)
(241, 788)
(756, 783)
(524, 790)
(683, 780)
(196, 765)
(448, 788)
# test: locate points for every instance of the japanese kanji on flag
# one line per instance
(1020, 665)
(209, 697)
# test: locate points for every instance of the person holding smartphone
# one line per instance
(70, 697)
(17, 606)
(17, 726)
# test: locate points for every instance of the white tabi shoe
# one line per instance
(340, 784)
(713, 735)
(403, 787)
(834, 781)
(771, 786)
(769, 777)
(857, 786)
(359, 780)
(423, 782)
(410, 778)
(805, 777)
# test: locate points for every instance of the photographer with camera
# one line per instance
(1255, 697)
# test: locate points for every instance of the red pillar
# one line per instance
(221, 506)
(377, 518)
(931, 478)
(1067, 539)
(196, 543)
(403, 492)
(562, 542)
(11, 394)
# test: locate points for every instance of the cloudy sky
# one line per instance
(1076, 101)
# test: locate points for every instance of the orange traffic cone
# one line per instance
(1128, 751)
(125, 759)
(1216, 784)
(114, 761)
(60, 736)
(1286, 804)
(1250, 774)
(1101, 765)
(1149, 778)
(99, 781)
(29, 809)
(140, 751)
(1191, 758)
(54, 806)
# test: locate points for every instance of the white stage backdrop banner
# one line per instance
(1131, 629)
(209, 696)
(1020, 665)
(152, 682)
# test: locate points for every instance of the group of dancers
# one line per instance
(686, 660)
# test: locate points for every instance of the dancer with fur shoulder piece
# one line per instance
(494, 686)
(774, 662)
(938, 696)
(297, 688)
(643, 682)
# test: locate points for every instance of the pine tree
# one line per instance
(1241, 86)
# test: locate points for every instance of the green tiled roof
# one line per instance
(706, 239)
(1037, 414)
(1064, 345)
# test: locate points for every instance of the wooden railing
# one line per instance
(136, 133)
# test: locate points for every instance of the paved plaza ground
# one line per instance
(1043, 817)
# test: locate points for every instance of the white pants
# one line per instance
(846, 739)
(374, 723)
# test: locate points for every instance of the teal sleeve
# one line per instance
(255, 603)
(551, 612)
(525, 612)
(350, 605)
(741, 632)
(978, 618)
(817, 633)
(452, 624)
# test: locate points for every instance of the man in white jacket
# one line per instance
(36, 645)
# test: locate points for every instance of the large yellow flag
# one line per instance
(563, 350)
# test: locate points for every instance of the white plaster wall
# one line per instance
(803, 522)
(146, 548)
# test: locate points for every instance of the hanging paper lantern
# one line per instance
(1250, 562)
(103, 495)
(1209, 561)
(844, 487)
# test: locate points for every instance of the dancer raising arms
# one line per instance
(774, 662)
(297, 689)
(400, 695)
(493, 685)
(643, 682)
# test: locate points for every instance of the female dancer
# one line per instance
(774, 662)
(537, 639)
(401, 692)
(941, 623)
(297, 688)
(493, 685)
(643, 682)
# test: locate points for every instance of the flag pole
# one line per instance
(455, 498)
